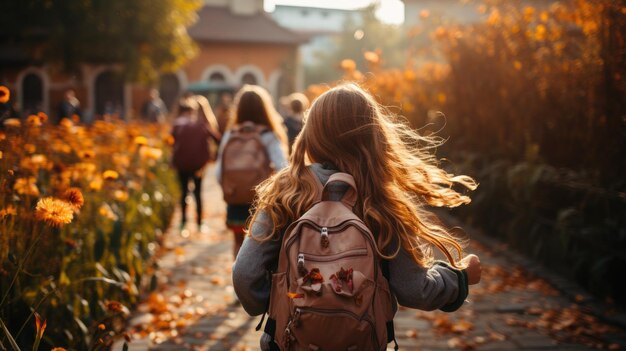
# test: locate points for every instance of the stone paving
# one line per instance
(195, 306)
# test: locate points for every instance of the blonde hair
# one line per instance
(253, 103)
(395, 175)
(205, 111)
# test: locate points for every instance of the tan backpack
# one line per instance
(330, 292)
(245, 163)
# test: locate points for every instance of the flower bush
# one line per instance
(82, 209)
(533, 105)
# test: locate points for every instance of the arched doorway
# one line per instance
(248, 78)
(169, 89)
(109, 93)
(217, 77)
(32, 94)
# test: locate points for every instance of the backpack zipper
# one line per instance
(336, 228)
(324, 237)
(328, 258)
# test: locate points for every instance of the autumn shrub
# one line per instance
(81, 212)
(532, 102)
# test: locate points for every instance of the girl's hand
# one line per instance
(472, 268)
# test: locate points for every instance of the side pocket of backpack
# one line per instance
(383, 310)
(280, 306)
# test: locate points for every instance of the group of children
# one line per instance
(349, 150)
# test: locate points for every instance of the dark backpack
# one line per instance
(191, 145)
(245, 163)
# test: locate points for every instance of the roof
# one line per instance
(220, 24)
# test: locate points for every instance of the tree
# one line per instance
(146, 36)
(357, 38)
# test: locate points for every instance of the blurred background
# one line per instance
(529, 94)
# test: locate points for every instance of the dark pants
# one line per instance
(184, 178)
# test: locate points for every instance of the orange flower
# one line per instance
(66, 123)
(141, 140)
(150, 153)
(348, 65)
(87, 154)
(33, 121)
(54, 212)
(115, 307)
(371, 57)
(120, 195)
(169, 140)
(12, 122)
(8, 211)
(110, 175)
(96, 184)
(5, 94)
(26, 186)
(106, 211)
(42, 116)
(74, 197)
(102, 326)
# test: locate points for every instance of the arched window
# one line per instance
(109, 89)
(248, 78)
(169, 89)
(32, 94)
(217, 77)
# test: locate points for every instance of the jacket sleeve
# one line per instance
(275, 150)
(253, 266)
(438, 287)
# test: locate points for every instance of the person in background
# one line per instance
(69, 107)
(253, 106)
(192, 133)
(297, 104)
(154, 110)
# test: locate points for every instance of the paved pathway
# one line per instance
(194, 307)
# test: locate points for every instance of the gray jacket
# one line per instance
(438, 287)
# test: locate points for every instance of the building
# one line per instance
(320, 25)
(238, 43)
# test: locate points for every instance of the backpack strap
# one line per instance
(349, 197)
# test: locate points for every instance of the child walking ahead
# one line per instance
(390, 180)
(253, 147)
(194, 129)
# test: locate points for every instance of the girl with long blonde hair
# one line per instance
(346, 130)
(253, 104)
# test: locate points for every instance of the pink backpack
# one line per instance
(245, 163)
(330, 292)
